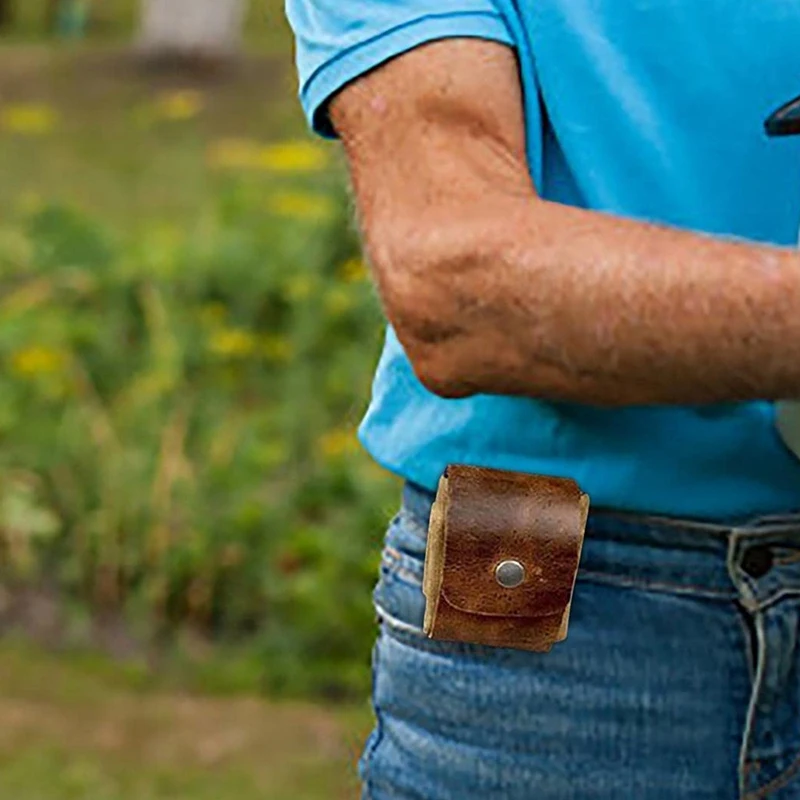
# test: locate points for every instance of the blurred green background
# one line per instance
(189, 531)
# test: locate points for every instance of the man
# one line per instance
(582, 241)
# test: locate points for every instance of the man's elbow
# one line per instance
(437, 345)
(427, 288)
(443, 372)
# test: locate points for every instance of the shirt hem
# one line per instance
(349, 64)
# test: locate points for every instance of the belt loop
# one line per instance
(740, 580)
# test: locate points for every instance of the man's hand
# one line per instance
(491, 289)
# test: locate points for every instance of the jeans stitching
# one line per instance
(393, 562)
(410, 635)
(755, 693)
(407, 576)
(748, 637)
(415, 525)
(778, 782)
(775, 597)
(785, 560)
(398, 624)
(412, 521)
(657, 586)
(376, 737)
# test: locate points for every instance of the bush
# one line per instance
(177, 413)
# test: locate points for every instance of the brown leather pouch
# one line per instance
(502, 557)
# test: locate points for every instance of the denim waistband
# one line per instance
(714, 559)
(610, 522)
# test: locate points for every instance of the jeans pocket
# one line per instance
(398, 596)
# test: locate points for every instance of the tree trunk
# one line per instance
(202, 29)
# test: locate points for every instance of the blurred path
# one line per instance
(67, 731)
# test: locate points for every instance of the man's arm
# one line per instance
(493, 290)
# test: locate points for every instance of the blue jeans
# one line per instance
(679, 678)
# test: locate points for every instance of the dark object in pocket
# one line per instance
(785, 121)
(502, 557)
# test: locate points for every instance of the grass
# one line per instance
(109, 149)
(70, 732)
(156, 464)
(113, 147)
(187, 341)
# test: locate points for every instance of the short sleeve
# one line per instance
(338, 40)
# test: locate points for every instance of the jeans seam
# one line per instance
(656, 586)
(747, 633)
(774, 598)
(413, 520)
(393, 562)
(398, 624)
(406, 576)
(752, 706)
(376, 737)
(778, 782)
(410, 635)
(785, 560)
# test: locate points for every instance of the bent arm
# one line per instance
(492, 289)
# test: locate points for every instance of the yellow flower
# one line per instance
(180, 105)
(232, 342)
(37, 360)
(301, 205)
(276, 348)
(293, 156)
(234, 154)
(299, 287)
(354, 270)
(338, 301)
(28, 119)
(337, 443)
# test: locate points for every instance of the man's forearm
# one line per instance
(549, 301)
(494, 290)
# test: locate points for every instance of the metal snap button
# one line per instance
(509, 573)
(757, 561)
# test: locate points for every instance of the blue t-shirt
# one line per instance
(651, 109)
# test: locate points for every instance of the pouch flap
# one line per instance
(494, 516)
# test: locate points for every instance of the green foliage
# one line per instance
(177, 415)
